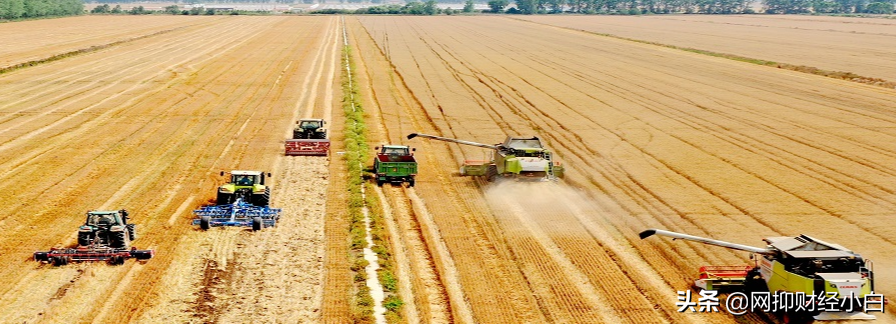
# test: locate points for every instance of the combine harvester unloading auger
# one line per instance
(518, 157)
(308, 138)
(241, 202)
(797, 265)
(105, 236)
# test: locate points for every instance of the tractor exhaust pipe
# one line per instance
(674, 235)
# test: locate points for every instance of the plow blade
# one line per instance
(61, 257)
(308, 147)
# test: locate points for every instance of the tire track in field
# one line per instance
(32, 155)
(155, 260)
(518, 113)
(488, 251)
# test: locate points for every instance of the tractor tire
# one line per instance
(379, 183)
(141, 255)
(224, 199)
(411, 183)
(262, 200)
(119, 240)
(205, 222)
(85, 238)
(132, 231)
(491, 173)
(60, 261)
(257, 224)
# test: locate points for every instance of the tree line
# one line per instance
(635, 7)
(16, 9)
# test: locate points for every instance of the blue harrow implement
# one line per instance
(239, 213)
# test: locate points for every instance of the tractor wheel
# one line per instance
(85, 238)
(224, 199)
(491, 173)
(119, 239)
(262, 200)
(379, 183)
(132, 231)
(60, 261)
(257, 224)
(57, 261)
(411, 183)
(205, 222)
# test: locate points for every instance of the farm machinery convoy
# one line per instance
(105, 236)
(308, 138)
(517, 157)
(243, 201)
(800, 265)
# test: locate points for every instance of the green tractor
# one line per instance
(310, 129)
(247, 186)
(521, 158)
(107, 228)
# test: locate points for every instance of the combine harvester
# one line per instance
(799, 265)
(518, 157)
(105, 236)
(241, 202)
(308, 138)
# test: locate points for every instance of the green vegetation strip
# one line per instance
(355, 157)
(91, 49)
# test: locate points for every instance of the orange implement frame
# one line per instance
(722, 277)
(313, 147)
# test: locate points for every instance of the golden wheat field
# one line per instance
(141, 113)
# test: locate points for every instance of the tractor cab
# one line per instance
(311, 124)
(396, 150)
(104, 218)
(246, 178)
(246, 185)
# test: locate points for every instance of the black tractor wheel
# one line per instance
(119, 239)
(257, 224)
(205, 222)
(85, 238)
(132, 231)
(60, 261)
(411, 183)
(379, 183)
(491, 173)
(224, 199)
(262, 200)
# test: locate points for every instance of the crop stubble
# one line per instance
(145, 125)
(653, 137)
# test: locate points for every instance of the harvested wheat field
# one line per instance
(145, 116)
(146, 125)
(839, 44)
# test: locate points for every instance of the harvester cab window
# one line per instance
(243, 180)
(310, 124)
